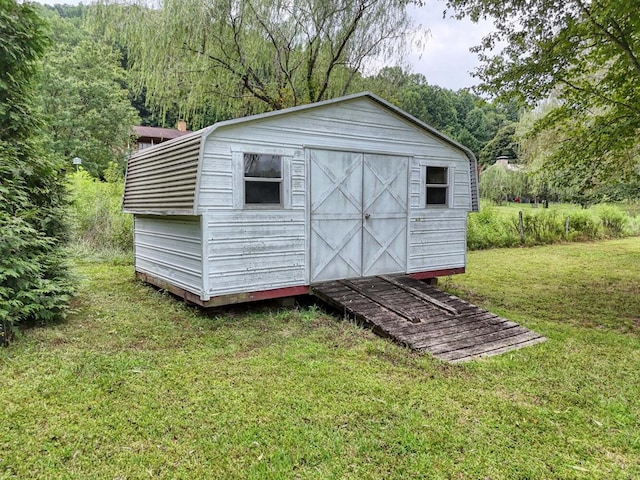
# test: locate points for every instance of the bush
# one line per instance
(542, 227)
(614, 221)
(97, 221)
(583, 226)
(490, 228)
(35, 284)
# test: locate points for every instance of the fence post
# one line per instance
(566, 227)
(521, 226)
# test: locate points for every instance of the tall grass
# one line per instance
(98, 224)
(495, 227)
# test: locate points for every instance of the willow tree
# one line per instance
(252, 55)
(585, 54)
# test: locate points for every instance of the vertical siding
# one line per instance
(170, 248)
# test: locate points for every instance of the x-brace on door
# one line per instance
(358, 214)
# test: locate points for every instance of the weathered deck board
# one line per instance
(450, 328)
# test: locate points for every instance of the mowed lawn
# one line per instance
(137, 385)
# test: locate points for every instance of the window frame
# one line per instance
(440, 186)
(279, 180)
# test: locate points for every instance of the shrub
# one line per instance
(97, 220)
(583, 226)
(34, 281)
(542, 227)
(488, 229)
(614, 221)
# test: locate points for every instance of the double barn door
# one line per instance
(358, 214)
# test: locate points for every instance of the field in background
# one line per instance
(136, 385)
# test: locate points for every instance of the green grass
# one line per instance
(137, 385)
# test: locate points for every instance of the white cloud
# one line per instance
(445, 59)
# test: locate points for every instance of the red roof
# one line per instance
(159, 133)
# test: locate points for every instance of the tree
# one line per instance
(587, 55)
(34, 283)
(252, 55)
(504, 144)
(465, 117)
(499, 183)
(82, 98)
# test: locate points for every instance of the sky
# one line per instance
(445, 59)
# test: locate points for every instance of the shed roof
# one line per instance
(140, 164)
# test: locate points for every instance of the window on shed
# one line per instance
(437, 185)
(262, 179)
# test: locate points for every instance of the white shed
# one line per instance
(267, 205)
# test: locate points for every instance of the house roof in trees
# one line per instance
(160, 134)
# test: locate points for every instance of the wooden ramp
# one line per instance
(424, 318)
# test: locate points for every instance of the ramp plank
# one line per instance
(424, 318)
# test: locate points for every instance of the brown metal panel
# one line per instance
(163, 178)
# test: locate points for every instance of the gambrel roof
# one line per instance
(163, 178)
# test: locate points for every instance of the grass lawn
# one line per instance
(137, 385)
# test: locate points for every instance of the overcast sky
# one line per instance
(445, 59)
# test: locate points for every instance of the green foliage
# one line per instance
(487, 229)
(499, 227)
(34, 280)
(614, 221)
(250, 56)
(34, 285)
(98, 223)
(583, 226)
(82, 98)
(22, 43)
(465, 117)
(585, 55)
(499, 183)
(503, 144)
(541, 228)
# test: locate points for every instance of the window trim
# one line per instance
(279, 180)
(442, 186)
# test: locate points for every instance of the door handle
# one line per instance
(367, 216)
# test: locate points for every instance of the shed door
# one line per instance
(384, 203)
(358, 214)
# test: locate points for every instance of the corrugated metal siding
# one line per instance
(255, 250)
(170, 249)
(163, 179)
(473, 172)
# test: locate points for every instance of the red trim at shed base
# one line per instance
(232, 298)
(437, 273)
